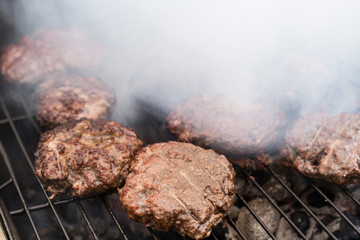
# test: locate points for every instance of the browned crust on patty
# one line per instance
(181, 186)
(85, 157)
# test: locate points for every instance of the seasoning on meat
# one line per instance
(49, 51)
(61, 99)
(179, 185)
(322, 146)
(231, 127)
(85, 157)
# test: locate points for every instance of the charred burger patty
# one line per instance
(233, 128)
(322, 146)
(49, 51)
(85, 157)
(179, 185)
(61, 99)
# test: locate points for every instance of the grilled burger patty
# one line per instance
(322, 146)
(228, 126)
(179, 185)
(85, 157)
(61, 99)
(49, 51)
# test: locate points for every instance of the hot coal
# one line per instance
(229, 126)
(85, 157)
(181, 186)
(321, 146)
(62, 98)
(49, 51)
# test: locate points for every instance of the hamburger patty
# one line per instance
(231, 127)
(85, 157)
(49, 51)
(322, 146)
(179, 185)
(61, 99)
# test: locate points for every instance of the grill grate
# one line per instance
(9, 217)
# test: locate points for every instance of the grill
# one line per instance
(28, 213)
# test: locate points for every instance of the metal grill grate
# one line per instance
(12, 121)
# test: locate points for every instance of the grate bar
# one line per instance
(18, 118)
(67, 201)
(307, 209)
(88, 223)
(7, 228)
(5, 184)
(351, 196)
(9, 167)
(113, 217)
(352, 225)
(22, 210)
(42, 206)
(213, 236)
(29, 116)
(7, 114)
(256, 216)
(275, 205)
(233, 225)
(151, 231)
(45, 205)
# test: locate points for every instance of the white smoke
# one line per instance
(304, 52)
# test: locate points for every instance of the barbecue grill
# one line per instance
(27, 212)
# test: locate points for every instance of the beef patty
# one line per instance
(179, 185)
(61, 99)
(322, 146)
(231, 127)
(85, 157)
(49, 51)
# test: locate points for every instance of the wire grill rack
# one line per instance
(17, 145)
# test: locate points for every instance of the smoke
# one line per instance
(303, 53)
